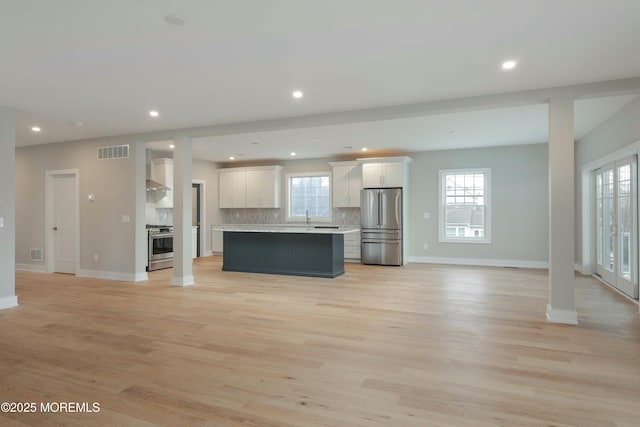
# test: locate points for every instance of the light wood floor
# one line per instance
(420, 345)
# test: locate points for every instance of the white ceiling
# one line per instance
(483, 128)
(106, 64)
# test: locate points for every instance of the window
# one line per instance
(309, 194)
(465, 214)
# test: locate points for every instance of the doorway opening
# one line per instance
(198, 216)
(195, 216)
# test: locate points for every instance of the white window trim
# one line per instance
(442, 236)
(313, 218)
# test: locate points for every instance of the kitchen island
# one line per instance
(316, 251)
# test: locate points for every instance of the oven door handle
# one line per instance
(161, 236)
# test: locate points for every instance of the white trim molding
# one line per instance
(442, 205)
(33, 268)
(567, 317)
(182, 281)
(50, 175)
(481, 262)
(108, 275)
(8, 302)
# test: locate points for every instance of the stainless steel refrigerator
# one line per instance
(381, 226)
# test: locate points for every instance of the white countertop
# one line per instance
(273, 228)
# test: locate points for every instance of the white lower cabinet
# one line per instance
(217, 241)
(352, 247)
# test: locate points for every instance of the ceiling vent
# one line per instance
(36, 254)
(113, 152)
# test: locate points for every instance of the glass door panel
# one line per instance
(608, 216)
(626, 234)
(616, 225)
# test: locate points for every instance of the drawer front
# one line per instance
(352, 239)
(352, 251)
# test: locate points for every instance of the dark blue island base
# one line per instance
(298, 254)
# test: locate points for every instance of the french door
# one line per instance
(617, 225)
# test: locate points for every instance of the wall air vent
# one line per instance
(36, 254)
(113, 152)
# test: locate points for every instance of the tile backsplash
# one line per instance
(341, 216)
(157, 216)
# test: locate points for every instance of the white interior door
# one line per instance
(617, 225)
(64, 224)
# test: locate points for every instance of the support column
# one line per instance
(141, 238)
(8, 296)
(182, 165)
(561, 307)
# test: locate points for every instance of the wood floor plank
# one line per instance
(379, 346)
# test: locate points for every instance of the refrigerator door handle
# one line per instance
(379, 207)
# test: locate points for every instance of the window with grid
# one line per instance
(464, 205)
(309, 195)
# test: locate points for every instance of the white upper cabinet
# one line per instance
(162, 172)
(263, 188)
(257, 187)
(385, 172)
(232, 189)
(347, 182)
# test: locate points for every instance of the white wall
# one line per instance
(619, 131)
(102, 231)
(519, 205)
(7, 211)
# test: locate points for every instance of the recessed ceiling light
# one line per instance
(509, 65)
(231, 158)
(78, 124)
(36, 129)
(154, 113)
(172, 19)
(453, 132)
(172, 146)
(293, 153)
(255, 143)
(364, 148)
(297, 94)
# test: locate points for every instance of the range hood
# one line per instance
(156, 186)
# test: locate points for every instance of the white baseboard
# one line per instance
(8, 302)
(141, 277)
(208, 253)
(107, 275)
(35, 268)
(578, 268)
(569, 317)
(480, 262)
(182, 281)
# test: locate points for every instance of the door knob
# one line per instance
(55, 228)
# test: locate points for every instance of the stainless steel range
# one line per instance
(160, 247)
